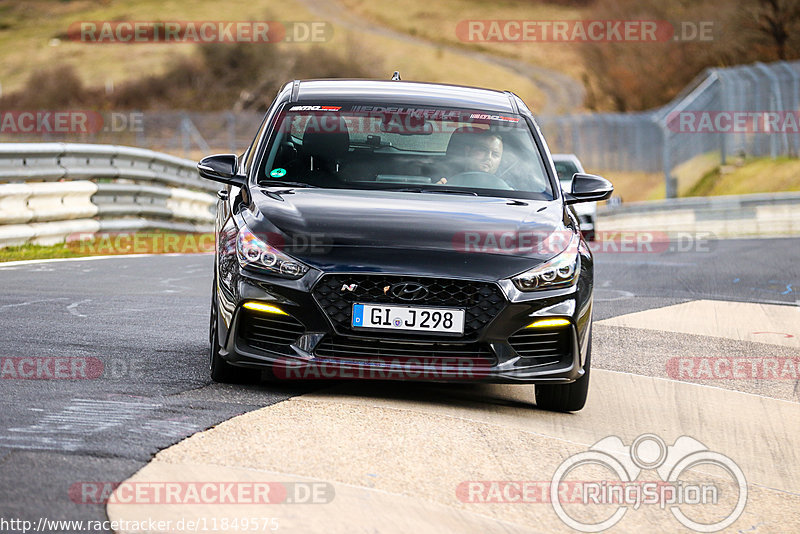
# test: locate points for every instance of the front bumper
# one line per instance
(312, 339)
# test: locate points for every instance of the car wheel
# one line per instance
(222, 371)
(566, 397)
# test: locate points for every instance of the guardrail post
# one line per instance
(185, 141)
(775, 103)
(794, 105)
(725, 100)
(670, 185)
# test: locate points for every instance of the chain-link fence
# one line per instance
(179, 133)
(750, 110)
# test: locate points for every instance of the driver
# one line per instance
(483, 153)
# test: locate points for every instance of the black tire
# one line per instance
(566, 397)
(220, 370)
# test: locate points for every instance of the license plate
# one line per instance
(447, 320)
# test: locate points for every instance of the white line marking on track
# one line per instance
(72, 308)
(29, 302)
(8, 265)
(623, 295)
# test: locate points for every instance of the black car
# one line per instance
(405, 231)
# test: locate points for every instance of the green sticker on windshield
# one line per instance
(277, 173)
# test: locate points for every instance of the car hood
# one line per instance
(405, 232)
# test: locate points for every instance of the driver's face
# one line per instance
(485, 155)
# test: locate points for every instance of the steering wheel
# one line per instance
(508, 169)
(480, 179)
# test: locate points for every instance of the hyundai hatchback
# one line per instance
(401, 231)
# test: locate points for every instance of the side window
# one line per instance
(252, 152)
(249, 155)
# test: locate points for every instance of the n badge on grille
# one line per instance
(350, 287)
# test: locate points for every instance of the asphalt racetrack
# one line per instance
(138, 327)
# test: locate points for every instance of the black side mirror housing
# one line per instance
(588, 188)
(222, 168)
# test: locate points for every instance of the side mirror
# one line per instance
(221, 168)
(588, 188)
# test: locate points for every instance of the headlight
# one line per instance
(255, 253)
(561, 271)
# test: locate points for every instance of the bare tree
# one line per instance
(778, 21)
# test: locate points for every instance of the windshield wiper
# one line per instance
(451, 191)
(273, 183)
(431, 190)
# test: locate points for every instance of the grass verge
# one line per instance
(37, 252)
(117, 243)
(763, 175)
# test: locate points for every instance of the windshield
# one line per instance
(412, 149)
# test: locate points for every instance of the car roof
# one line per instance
(402, 93)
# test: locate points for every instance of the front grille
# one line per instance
(542, 346)
(482, 301)
(269, 331)
(352, 348)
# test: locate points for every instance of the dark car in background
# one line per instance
(401, 230)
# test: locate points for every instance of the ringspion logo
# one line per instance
(685, 484)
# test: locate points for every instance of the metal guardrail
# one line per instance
(730, 203)
(22, 162)
(50, 191)
(724, 216)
